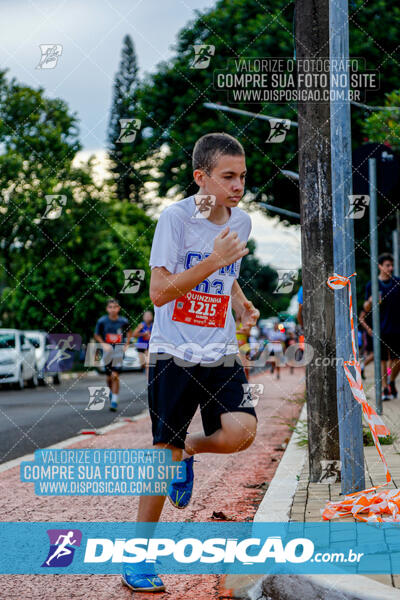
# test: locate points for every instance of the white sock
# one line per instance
(114, 397)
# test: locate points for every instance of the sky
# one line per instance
(90, 33)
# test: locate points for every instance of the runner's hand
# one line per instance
(249, 316)
(228, 248)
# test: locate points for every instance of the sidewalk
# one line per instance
(231, 484)
(310, 498)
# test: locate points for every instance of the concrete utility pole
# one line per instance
(312, 41)
(349, 411)
(373, 249)
(327, 245)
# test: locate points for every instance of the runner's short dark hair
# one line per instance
(210, 147)
(385, 256)
(112, 301)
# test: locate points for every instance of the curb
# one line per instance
(318, 587)
(277, 502)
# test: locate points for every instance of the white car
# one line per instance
(42, 346)
(17, 359)
(130, 361)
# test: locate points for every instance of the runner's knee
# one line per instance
(240, 434)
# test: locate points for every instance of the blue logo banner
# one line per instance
(285, 548)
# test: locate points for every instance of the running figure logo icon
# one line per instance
(204, 204)
(286, 281)
(129, 129)
(133, 281)
(202, 56)
(251, 394)
(98, 396)
(279, 129)
(50, 55)
(55, 204)
(357, 207)
(62, 347)
(61, 551)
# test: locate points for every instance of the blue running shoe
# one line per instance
(180, 492)
(142, 583)
(113, 405)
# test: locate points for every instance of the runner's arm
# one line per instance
(137, 330)
(245, 309)
(368, 305)
(129, 335)
(101, 341)
(166, 286)
(363, 323)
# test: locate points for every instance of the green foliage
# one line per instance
(384, 126)
(129, 170)
(368, 440)
(56, 274)
(171, 100)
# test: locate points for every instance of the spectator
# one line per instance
(389, 291)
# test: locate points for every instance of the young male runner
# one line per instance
(111, 329)
(389, 290)
(195, 265)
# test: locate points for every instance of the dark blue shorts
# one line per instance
(175, 393)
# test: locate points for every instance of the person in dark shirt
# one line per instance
(113, 331)
(389, 308)
(143, 333)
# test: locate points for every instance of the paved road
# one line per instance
(231, 485)
(36, 418)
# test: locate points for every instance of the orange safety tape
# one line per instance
(367, 505)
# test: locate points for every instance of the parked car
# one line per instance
(130, 362)
(17, 359)
(40, 341)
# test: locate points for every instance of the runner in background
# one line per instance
(389, 312)
(111, 332)
(276, 339)
(142, 333)
(291, 339)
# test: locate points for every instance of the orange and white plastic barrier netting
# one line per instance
(367, 505)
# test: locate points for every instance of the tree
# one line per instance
(124, 138)
(57, 272)
(172, 98)
(383, 126)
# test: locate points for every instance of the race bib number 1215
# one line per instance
(197, 308)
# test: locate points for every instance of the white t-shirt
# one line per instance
(180, 241)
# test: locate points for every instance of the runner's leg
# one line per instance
(150, 507)
(114, 382)
(237, 432)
